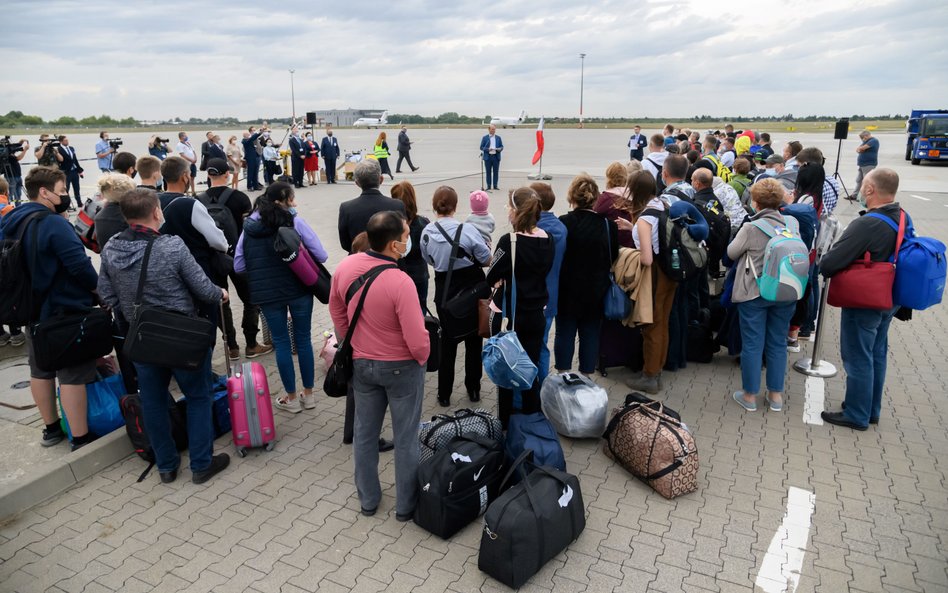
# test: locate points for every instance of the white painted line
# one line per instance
(923, 198)
(815, 401)
(780, 569)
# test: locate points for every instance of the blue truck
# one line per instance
(927, 131)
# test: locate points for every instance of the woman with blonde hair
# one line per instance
(109, 220)
(614, 202)
(592, 246)
(764, 324)
(382, 154)
(235, 159)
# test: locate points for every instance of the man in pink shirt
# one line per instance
(390, 349)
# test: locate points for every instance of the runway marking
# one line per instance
(780, 569)
(815, 401)
(922, 198)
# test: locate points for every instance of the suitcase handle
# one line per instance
(223, 327)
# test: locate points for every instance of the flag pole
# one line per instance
(539, 174)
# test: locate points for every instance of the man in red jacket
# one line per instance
(390, 350)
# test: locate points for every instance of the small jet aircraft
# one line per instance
(512, 122)
(371, 122)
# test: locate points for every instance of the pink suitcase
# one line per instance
(251, 412)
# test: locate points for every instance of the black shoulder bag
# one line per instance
(166, 338)
(336, 383)
(464, 302)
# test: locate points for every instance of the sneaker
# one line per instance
(258, 350)
(52, 437)
(233, 353)
(805, 336)
(18, 339)
(5, 338)
(793, 345)
(646, 384)
(290, 405)
(308, 401)
(218, 464)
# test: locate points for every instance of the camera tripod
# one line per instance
(837, 176)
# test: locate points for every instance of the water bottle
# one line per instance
(676, 261)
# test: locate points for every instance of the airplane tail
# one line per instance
(523, 115)
(383, 119)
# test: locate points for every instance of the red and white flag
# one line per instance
(539, 153)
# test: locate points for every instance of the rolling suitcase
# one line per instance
(251, 412)
(619, 346)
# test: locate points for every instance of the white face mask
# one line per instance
(407, 248)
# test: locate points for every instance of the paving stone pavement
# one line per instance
(288, 520)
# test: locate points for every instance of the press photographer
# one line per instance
(46, 152)
(11, 153)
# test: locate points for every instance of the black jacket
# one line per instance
(355, 214)
(534, 260)
(584, 277)
(863, 234)
(404, 145)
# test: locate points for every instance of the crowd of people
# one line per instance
(732, 192)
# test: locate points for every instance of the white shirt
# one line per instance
(493, 143)
(652, 159)
(185, 150)
(651, 220)
(727, 159)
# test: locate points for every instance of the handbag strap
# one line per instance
(367, 279)
(900, 230)
(608, 244)
(513, 282)
(455, 245)
(141, 277)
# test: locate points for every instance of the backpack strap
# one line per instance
(203, 197)
(225, 195)
(899, 230)
(455, 245)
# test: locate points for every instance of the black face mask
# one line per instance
(63, 204)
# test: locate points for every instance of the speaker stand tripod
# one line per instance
(837, 176)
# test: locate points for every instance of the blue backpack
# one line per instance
(920, 266)
(786, 268)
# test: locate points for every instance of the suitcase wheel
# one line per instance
(270, 445)
(241, 452)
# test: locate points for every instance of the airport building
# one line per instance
(345, 117)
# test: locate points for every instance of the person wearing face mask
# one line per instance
(174, 282)
(390, 351)
(863, 333)
(275, 289)
(329, 148)
(297, 156)
(186, 151)
(63, 280)
(311, 162)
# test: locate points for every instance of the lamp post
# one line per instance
(582, 73)
(293, 94)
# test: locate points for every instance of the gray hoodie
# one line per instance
(174, 279)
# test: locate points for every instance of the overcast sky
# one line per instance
(188, 58)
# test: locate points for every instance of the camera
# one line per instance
(115, 143)
(161, 140)
(8, 148)
(51, 142)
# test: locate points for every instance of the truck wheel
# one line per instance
(916, 161)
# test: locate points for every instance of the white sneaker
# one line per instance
(308, 401)
(290, 405)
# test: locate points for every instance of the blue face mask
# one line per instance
(291, 210)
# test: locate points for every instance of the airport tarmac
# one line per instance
(785, 502)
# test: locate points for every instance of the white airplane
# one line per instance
(512, 122)
(371, 122)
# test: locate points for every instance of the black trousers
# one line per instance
(72, 181)
(531, 325)
(296, 165)
(473, 367)
(330, 164)
(406, 156)
(251, 315)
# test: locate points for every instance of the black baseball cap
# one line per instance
(217, 167)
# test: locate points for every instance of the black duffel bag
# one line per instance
(166, 338)
(530, 523)
(66, 340)
(456, 486)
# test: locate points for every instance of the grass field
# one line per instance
(32, 133)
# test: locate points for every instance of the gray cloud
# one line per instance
(671, 58)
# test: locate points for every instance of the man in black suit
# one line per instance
(297, 154)
(637, 144)
(404, 148)
(69, 164)
(206, 150)
(354, 216)
(329, 148)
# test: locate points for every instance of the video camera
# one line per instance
(8, 148)
(115, 143)
(157, 140)
(51, 142)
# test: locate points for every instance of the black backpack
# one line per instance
(17, 304)
(719, 227)
(679, 255)
(223, 217)
(131, 406)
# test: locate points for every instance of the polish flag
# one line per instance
(539, 153)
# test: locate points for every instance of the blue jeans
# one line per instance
(564, 343)
(543, 366)
(16, 188)
(153, 383)
(864, 344)
(377, 385)
(301, 312)
(764, 327)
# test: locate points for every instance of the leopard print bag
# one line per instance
(653, 446)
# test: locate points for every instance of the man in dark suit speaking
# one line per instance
(491, 147)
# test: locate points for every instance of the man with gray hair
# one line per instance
(868, 156)
(355, 214)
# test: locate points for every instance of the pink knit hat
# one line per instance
(479, 202)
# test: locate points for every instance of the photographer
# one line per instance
(14, 153)
(104, 151)
(69, 164)
(46, 153)
(158, 147)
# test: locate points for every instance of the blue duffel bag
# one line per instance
(534, 431)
